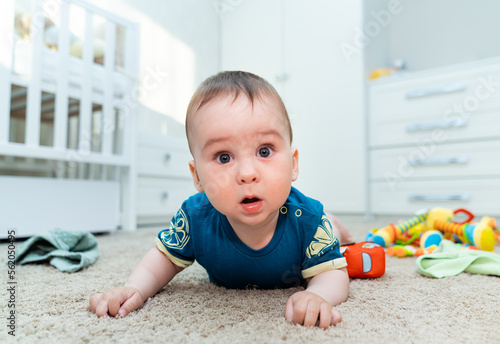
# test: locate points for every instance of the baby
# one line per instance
(247, 226)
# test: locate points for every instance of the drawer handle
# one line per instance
(441, 89)
(439, 161)
(167, 158)
(439, 197)
(451, 123)
(164, 196)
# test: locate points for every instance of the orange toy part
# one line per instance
(364, 260)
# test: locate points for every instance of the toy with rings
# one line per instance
(388, 235)
(435, 224)
(479, 235)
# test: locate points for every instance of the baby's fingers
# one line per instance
(312, 314)
(325, 316)
(296, 310)
(94, 301)
(103, 304)
(336, 316)
(131, 304)
(111, 301)
(100, 307)
(289, 310)
(114, 303)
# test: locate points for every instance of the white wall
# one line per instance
(178, 50)
(434, 33)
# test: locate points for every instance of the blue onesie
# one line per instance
(302, 246)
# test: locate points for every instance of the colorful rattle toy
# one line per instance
(388, 235)
(429, 228)
(479, 235)
(430, 238)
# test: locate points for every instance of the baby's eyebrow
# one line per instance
(271, 132)
(215, 140)
(263, 133)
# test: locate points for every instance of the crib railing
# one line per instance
(95, 83)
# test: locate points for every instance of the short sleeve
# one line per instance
(176, 242)
(322, 251)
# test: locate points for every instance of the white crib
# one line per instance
(67, 118)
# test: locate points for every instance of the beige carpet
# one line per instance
(400, 307)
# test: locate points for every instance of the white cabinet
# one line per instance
(435, 140)
(164, 180)
(296, 45)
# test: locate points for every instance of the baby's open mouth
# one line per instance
(250, 200)
(251, 205)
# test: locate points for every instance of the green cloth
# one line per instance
(68, 251)
(450, 259)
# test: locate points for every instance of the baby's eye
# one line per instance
(265, 152)
(224, 158)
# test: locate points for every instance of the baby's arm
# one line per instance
(152, 273)
(324, 291)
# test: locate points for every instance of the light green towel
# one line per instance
(450, 259)
(68, 251)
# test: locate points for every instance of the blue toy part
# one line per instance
(431, 237)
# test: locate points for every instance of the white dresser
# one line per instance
(434, 140)
(164, 180)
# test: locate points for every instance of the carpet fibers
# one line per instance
(400, 307)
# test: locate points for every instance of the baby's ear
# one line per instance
(196, 178)
(295, 163)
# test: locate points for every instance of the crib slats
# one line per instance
(86, 100)
(108, 106)
(131, 63)
(129, 176)
(99, 11)
(95, 86)
(33, 110)
(61, 110)
(6, 42)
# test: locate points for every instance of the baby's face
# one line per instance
(243, 159)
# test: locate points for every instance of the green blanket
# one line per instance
(68, 251)
(450, 259)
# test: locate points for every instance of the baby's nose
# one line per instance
(247, 172)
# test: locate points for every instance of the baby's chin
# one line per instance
(254, 219)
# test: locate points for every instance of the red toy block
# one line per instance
(364, 260)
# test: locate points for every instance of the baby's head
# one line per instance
(234, 84)
(240, 137)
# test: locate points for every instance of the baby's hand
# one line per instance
(306, 308)
(119, 301)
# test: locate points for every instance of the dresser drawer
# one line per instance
(168, 162)
(480, 196)
(436, 95)
(444, 129)
(480, 158)
(163, 156)
(162, 197)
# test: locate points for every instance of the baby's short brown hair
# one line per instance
(234, 83)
